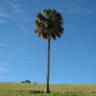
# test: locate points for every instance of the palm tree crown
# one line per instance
(49, 23)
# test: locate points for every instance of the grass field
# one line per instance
(16, 89)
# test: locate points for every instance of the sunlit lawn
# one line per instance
(16, 89)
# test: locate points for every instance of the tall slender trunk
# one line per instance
(47, 90)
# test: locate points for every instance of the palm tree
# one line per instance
(49, 25)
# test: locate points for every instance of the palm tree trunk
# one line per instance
(47, 90)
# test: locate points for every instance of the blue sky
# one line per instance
(24, 56)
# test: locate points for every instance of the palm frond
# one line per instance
(49, 23)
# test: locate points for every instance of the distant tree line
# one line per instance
(28, 82)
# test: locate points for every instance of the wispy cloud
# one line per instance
(86, 10)
(2, 77)
(3, 69)
(80, 10)
(77, 7)
(35, 10)
(9, 10)
(2, 20)
(17, 13)
(3, 45)
(21, 49)
(5, 78)
(1, 53)
(4, 63)
(24, 29)
(11, 56)
(79, 1)
(17, 8)
(4, 15)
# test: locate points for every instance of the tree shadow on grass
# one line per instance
(36, 91)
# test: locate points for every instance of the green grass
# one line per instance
(15, 89)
